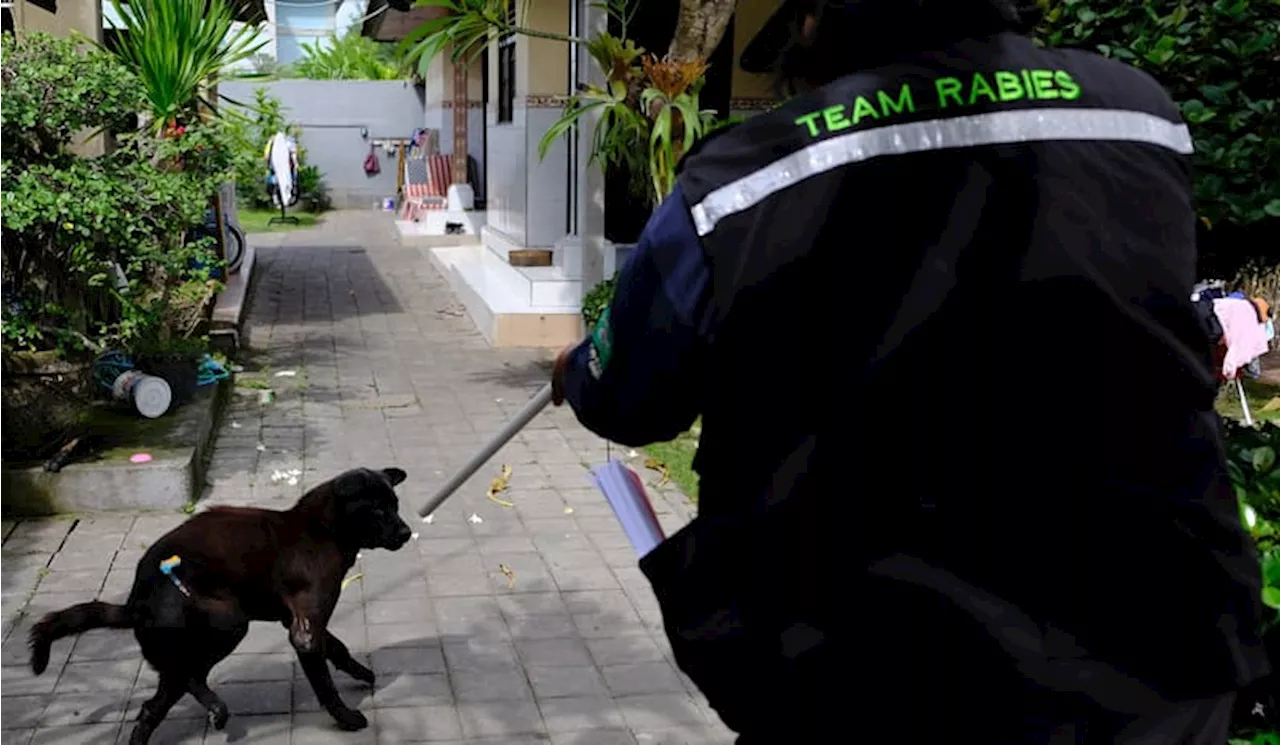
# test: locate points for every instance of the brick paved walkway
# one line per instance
(389, 371)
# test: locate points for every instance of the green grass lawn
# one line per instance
(678, 457)
(1263, 398)
(255, 221)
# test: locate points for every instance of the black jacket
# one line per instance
(937, 321)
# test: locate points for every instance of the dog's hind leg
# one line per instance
(218, 712)
(157, 707)
(341, 658)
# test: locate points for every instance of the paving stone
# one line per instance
(85, 708)
(574, 714)
(250, 668)
(568, 652)
(411, 724)
(108, 675)
(594, 737)
(501, 718)
(412, 690)
(22, 712)
(556, 682)
(172, 731)
(268, 729)
(490, 685)
(659, 711)
(85, 734)
(396, 611)
(642, 677)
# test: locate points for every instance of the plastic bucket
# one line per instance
(150, 395)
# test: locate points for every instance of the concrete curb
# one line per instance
(173, 478)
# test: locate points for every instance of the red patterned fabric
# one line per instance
(432, 195)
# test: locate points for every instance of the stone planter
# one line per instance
(43, 395)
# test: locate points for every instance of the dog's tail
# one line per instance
(73, 620)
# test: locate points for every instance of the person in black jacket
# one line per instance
(960, 473)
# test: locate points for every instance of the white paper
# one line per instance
(630, 504)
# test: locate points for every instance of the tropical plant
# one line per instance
(179, 49)
(352, 56)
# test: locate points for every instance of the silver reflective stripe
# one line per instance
(998, 128)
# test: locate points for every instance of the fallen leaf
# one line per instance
(1272, 405)
(510, 574)
(351, 579)
(499, 485)
(660, 467)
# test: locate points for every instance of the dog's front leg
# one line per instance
(341, 658)
(308, 635)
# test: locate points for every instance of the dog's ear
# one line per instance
(351, 484)
(395, 475)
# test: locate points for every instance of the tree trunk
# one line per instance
(699, 28)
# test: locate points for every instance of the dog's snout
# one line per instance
(401, 534)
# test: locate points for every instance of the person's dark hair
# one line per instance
(851, 35)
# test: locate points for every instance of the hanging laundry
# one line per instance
(282, 160)
(1270, 328)
(1263, 308)
(371, 165)
(1245, 338)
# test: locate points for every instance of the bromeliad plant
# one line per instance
(648, 106)
(179, 50)
(649, 113)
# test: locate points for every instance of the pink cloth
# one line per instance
(1245, 337)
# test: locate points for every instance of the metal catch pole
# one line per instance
(526, 415)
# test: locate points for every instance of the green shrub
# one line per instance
(1218, 60)
(94, 250)
(252, 129)
(351, 57)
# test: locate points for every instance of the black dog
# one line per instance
(199, 586)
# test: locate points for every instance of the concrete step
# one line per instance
(513, 306)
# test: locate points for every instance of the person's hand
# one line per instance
(557, 375)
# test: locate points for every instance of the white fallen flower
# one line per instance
(286, 374)
(632, 454)
(568, 510)
(236, 425)
(429, 518)
(293, 481)
(475, 519)
(415, 535)
(262, 448)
